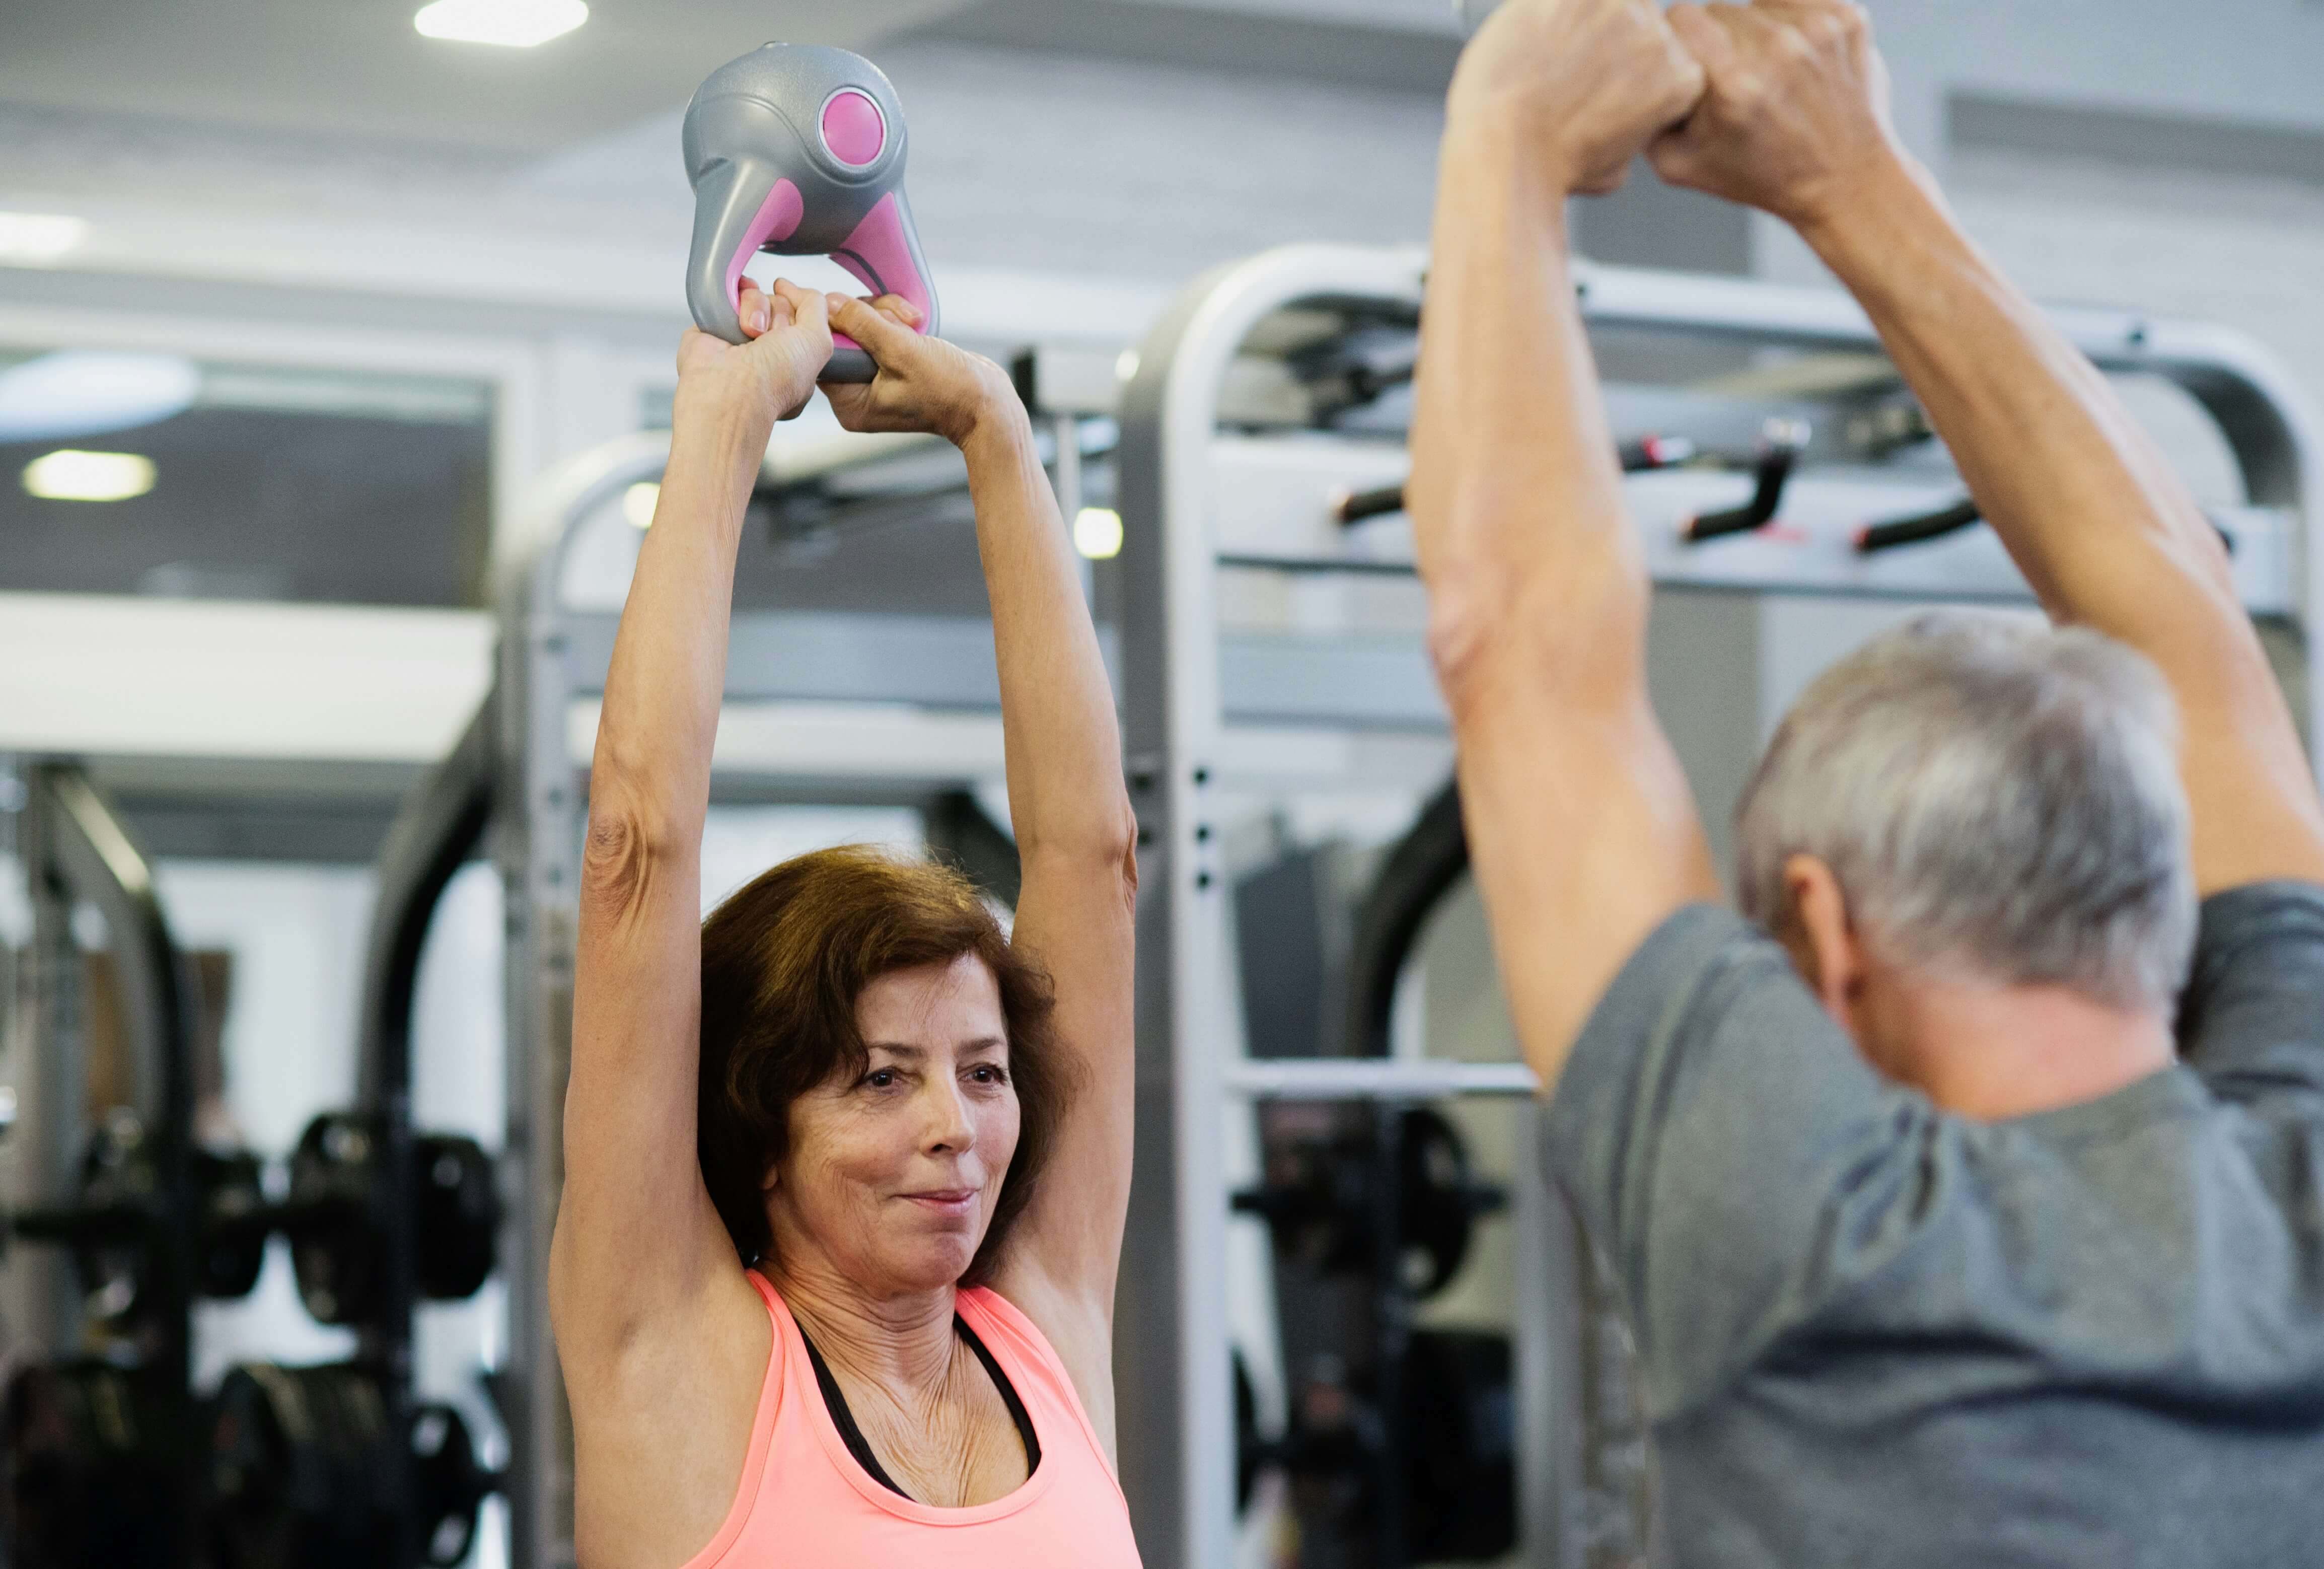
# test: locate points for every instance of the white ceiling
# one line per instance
(357, 68)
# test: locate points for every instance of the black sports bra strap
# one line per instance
(844, 1419)
(1017, 1412)
(861, 1448)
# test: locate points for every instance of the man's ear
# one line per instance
(1823, 938)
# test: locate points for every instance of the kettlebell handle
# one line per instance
(798, 149)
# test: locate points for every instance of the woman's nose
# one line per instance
(949, 1128)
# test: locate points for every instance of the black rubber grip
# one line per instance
(1912, 530)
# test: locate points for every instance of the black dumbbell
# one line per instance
(113, 1224)
(1324, 1207)
(118, 1174)
(333, 1217)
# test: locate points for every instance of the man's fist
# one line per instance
(1584, 83)
(1795, 111)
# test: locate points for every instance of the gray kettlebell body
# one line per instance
(798, 149)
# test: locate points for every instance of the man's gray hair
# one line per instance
(1999, 801)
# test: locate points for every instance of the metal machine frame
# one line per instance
(1186, 688)
(431, 837)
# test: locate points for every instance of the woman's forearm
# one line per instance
(662, 691)
(1058, 716)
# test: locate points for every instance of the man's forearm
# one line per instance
(2105, 532)
(2077, 490)
(1513, 472)
(1580, 823)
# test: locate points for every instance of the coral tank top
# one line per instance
(805, 1500)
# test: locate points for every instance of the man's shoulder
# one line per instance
(2251, 1018)
(1702, 954)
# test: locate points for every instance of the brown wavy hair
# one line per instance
(784, 961)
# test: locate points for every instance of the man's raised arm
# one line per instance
(1583, 832)
(1794, 120)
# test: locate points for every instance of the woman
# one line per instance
(846, 1170)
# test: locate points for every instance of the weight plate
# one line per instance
(447, 1485)
(336, 1248)
(233, 1226)
(460, 1211)
(1456, 1433)
(116, 1170)
(299, 1469)
(229, 1225)
(85, 1450)
(296, 1469)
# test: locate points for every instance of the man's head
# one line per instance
(1975, 801)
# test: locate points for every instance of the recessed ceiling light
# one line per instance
(89, 391)
(70, 475)
(1097, 534)
(637, 503)
(40, 239)
(516, 24)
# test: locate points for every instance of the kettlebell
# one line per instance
(798, 149)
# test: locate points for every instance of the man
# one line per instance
(1939, 1245)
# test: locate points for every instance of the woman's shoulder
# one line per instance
(985, 1301)
(986, 1309)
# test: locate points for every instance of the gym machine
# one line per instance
(99, 1433)
(111, 1456)
(1777, 467)
(342, 1462)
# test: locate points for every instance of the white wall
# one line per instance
(2247, 252)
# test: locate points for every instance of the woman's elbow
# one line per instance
(1105, 844)
(622, 849)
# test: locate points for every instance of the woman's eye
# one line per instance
(880, 1078)
(985, 1074)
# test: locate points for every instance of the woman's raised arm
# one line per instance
(1076, 837)
(638, 1240)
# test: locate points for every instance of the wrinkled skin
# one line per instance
(890, 1182)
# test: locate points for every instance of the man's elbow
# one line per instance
(1577, 624)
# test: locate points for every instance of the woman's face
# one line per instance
(891, 1176)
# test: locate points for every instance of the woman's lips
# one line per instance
(956, 1201)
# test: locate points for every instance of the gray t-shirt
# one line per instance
(1873, 1333)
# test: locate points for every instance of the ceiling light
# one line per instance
(637, 503)
(90, 392)
(38, 239)
(517, 23)
(68, 476)
(1097, 534)
(1125, 364)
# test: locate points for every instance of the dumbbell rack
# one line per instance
(1188, 685)
(321, 1461)
(385, 1478)
(74, 848)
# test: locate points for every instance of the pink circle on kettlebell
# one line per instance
(853, 127)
